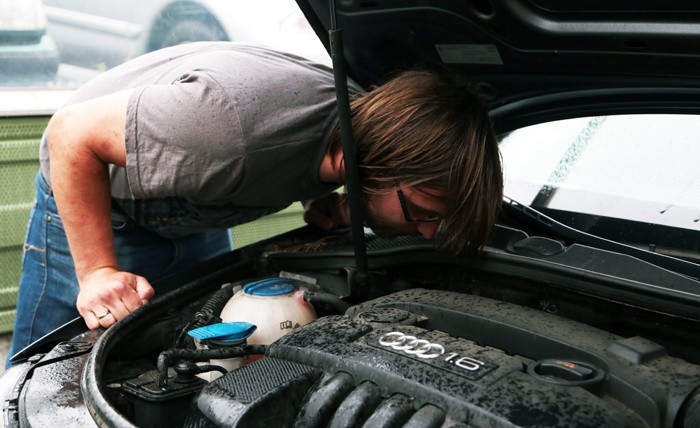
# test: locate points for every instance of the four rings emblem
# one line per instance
(426, 349)
(411, 345)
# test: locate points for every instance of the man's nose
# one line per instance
(428, 230)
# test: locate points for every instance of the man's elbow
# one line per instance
(56, 132)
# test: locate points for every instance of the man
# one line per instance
(149, 164)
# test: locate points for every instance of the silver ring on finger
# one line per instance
(103, 315)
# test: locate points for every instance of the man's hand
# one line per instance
(327, 213)
(108, 295)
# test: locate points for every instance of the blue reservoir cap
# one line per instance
(269, 287)
(224, 332)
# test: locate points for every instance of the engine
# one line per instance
(431, 342)
(423, 358)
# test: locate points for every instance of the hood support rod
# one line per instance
(352, 176)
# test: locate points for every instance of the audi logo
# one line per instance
(411, 345)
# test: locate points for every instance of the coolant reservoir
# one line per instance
(273, 305)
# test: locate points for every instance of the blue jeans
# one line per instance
(48, 287)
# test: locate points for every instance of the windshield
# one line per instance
(630, 178)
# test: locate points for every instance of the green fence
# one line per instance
(19, 151)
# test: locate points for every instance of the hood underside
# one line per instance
(516, 49)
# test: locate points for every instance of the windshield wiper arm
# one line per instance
(662, 260)
(567, 161)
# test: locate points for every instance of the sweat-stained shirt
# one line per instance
(217, 134)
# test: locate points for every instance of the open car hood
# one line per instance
(512, 50)
(537, 61)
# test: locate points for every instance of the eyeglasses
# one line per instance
(427, 218)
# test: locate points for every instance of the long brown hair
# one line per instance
(420, 130)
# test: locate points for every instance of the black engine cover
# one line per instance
(432, 358)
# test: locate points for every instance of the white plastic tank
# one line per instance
(274, 305)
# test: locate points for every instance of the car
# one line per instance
(27, 54)
(582, 309)
(100, 35)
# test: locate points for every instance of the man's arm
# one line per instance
(83, 140)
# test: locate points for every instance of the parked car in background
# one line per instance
(27, 54)
(105, 33)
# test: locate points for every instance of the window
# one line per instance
(619, 177)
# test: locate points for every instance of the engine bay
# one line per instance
(421, 358)
(432, 341)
